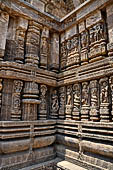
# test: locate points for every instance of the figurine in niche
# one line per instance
(104, 92)
(84, 39)
(91, 35)
(85, 91)
(94, 98)
(69, 97)
(75, 43)
(55, 104)
(44, 46)
(43, 97)
(99, 32)
(76, 89)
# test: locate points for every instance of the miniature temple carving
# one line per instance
(30, 101)
(43, 102)
(33, 44)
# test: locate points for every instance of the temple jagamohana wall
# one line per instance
(56, 84)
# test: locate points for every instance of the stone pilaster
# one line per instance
(111, 92)
(30, 101)
(4, 19)
(0, 96)
(32, 44)
(16, 101)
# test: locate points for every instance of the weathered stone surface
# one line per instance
(56, 65)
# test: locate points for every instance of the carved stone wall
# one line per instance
(56, 83)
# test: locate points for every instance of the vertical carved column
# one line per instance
(33, 44)
(76, 102)
(63, 56)
(85, 101)
(62, 98)
(20, 39)
(4, 19)
(43, 104)
(16, 100)
(111, 91)
(54, 105)
(16, 39)
(0, 96)
(109, 11)
(54, 57)
(69, 102)
(104, 100)
(94, 101)
(30, 101)
(44, 50)
(84, 47)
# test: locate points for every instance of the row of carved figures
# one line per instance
(84, 47)
(81, 101)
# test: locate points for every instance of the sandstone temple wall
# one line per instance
(56, 83)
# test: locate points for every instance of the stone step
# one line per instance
(65, 165)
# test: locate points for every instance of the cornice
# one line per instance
(26, 10)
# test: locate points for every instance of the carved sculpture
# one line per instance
(69, 102)
(63, 55)
(94, 100)
(54, 105)
(43, 104)
(104, 100)
(84, 47)
(85, 101)
(76, 102)
(62, 102)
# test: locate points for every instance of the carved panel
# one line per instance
(85, 101)
(43, 104)
(104, 100)
(69, 102)
(76, 101)
(62, 102)
(94, 100)
(54, 105)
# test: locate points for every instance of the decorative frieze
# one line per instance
(43, 102)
